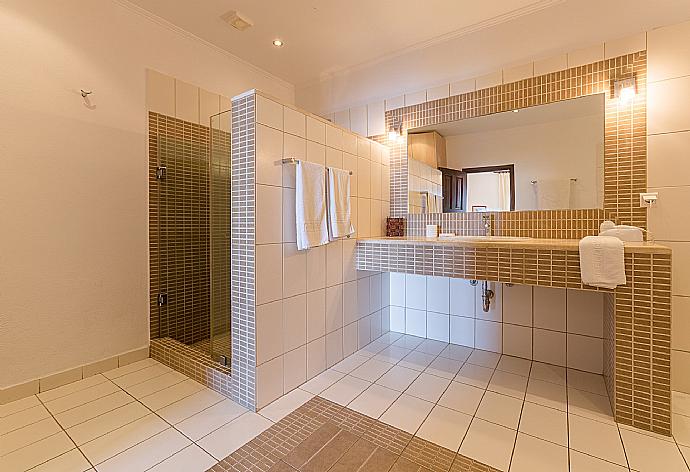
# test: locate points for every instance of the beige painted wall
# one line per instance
(73, 180)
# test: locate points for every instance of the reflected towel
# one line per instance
(339, 212)
(553, 194)
(602, 262)
(310, 205)
(624, 233)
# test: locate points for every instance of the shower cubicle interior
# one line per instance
(189, 198)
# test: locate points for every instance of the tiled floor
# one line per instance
(508, 413)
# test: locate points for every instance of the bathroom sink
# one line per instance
(484, 238)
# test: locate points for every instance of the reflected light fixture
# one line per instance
(278, 43)
(624, 90)
(395, 132)
(516, 110)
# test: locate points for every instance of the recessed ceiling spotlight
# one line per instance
(278, 43)
(236, 20)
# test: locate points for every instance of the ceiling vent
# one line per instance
(237, 21)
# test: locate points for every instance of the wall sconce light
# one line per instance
(624, 90)
(395, 132)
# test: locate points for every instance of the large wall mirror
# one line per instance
(536, 158)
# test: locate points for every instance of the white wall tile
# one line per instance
(334, 137)
(435, 93)
(461, 297)
(397, 289)
(269, 331)
(350, 143)
(363, 332)
(668, 52)
(342, 118)
(316, 153)
(375, 182)
(350, 302)
(294, 322)
(667, 158)
(463, 86)
(160, 93)
(294, 368)
(495, 312)
(209, 104)
(585, 312)
(517, 341)
(415, 322)
(269, 214)
(269, 152)
(488, 335)
(316, 130)
(349, 339)
(438, 294)
(363, 177)
(626, 45)
(294, 270)
(376, 118)
(680, 328)
(186, 101)
(363, 217)
(550, 64)
(316, 357)
(386, 319)
(585, 353)
(438, 326)
(489, 80)
(358, 120)
(376, 292)
(334, 158)
(415, 291)
(663, 114)
(316, 314)
(517, 304)
(549, 346)
(269, 281)
(294, 122)
(461, 330)
(519, 72)
(549, 308)
(680, 362)
(395, 102)
(269, 381)
(349, 271)
(363, 148)
(363, 297)
(334, 263)
(586, 55)
(680, 278)
(316, 268)
(334, 308)
(289, 220)
(334, 348)
(269, 112)
(293, 146)
(397, 319)
(665, 220)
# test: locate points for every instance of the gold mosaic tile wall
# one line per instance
(178, 229)
(637, 329)
(625, 149)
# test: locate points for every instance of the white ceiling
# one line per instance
(323, 37)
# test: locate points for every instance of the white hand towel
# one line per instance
(602, 263)
(310, 205)
(624, 233)
(339, 212)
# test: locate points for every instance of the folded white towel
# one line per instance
(310, 205)
(339, 212)
(624, 233)
(602, 262)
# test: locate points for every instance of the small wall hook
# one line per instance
(85, 94)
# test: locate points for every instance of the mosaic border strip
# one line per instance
(637, 331)
(625, 142)
(357, 442)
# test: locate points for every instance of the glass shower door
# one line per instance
(220, 224)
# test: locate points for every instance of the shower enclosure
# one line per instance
(189, 226)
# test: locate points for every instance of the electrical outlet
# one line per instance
(648, 199)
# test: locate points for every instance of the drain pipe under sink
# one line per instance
(487, 295)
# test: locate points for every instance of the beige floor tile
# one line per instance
(685, 450)
(408, 341)
(286, 404)
(172, 394)
(475, 375)
(428, 387)
(204, 422)
(27, 435)
(547, 394)
(407, 413)
(444, 367)
(392, 354)
(345, 390)
(462, 397)
(648, 454)
(390, 337)
(156, 384)
(147, 453)
(680, 403)
(70, 461)
(458, 353)
(445, 427)
(107, 422)
(536, 455)
(489, 443)
(19, 405)
(190, 459)
(71, 388)
(548, 373)
(36, 453)
(142, 375)
(432, 347)
(129, 368)
(322, 381)
(508, 384)
(95, 408)
(81, 397)
(232, 436)
(595, 438)
(500, 409)
(374, 400)
(589, 405)
(350, 363)
(371, 349)
(189, 406)
(484, 358)
(416, 360)
(586, 381)
(398, 378)
(116, 441)
(681, 429)
(371, 370)
(514, 365)
(580, 462)
(23, 418)
(544, 423)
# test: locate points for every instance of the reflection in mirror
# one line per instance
(537, 158)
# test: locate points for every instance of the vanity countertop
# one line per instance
(514, 243)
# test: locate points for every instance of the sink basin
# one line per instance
(484, 238)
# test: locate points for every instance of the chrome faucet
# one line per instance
(488, 230)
